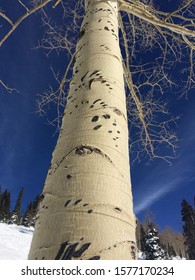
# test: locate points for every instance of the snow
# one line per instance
(14, 242)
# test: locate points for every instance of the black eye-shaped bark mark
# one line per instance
(118, 112)
(68, 251)
(69, 176)
(90, 211)
(67, 202)
(85, 102)
(82, 78)
(96, 101)
(95, 119)
(86, 150)
(90, 83)
(83, 150)
(95, 72)
(81, 34)
(106, 116)
(117, 209)
(95, 258)
(97, 127)
(77, 201)
(86, 204)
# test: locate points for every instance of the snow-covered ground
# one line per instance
(14, 242)
(142, 257)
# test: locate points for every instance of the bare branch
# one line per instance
(23, 5)
(140, 10)
(56, 3)
(6, 18)
(7, 88)
(23, 17)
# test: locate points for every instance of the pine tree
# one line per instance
(26, 219)
(5, 206)
(29, 217)
(1, 196)
(153, 250)
(188, 218)
(15, 217)
(142, 239)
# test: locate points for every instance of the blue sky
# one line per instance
(27, 141)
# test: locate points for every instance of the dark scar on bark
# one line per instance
(95, 119)
(94, 72)
(90, 83)
(67, 202)
(95, 258)
(76, 202)
(81, 34)
(68, 251)
(84, 76)
(118, 209)
(61, 250)
(97, 127)
(96, 101)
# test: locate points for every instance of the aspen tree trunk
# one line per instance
(86, 208)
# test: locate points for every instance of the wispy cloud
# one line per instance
(162, 180)
(155, 193)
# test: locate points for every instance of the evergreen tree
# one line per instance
(29, 216)
(5, 206)
(180, 254)
(142, 239)
(26, 217)
(188, 218)
(153, 250)
(1, 196)
(15, 218)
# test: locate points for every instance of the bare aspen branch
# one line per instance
(138, 104)
(144, 14)
(56, 3)
(23, 5)
(23, 17)
(6, 18)
(143, 28)
(7, 88)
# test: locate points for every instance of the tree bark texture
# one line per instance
(86, 210)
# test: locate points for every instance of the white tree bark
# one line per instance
(86, 208)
